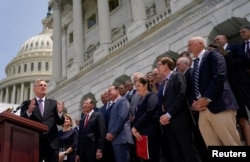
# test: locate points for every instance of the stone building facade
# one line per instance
(103, 42)
(100, 42)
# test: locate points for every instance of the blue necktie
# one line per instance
(196, 78)
(108, 111)
(109, 105)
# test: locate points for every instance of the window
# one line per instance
(16, 94)
(71, 37)
(39, 66)
(32, 67)
(28, 90)
(47, 66)
(113, 4)
(91, 21)
(25, 67)
(151, 11)
(168, 5)
(19, 69)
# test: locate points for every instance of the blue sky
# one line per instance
(20, 20)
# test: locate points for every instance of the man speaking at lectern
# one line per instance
(48, 112)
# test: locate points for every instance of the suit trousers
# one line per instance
(219, 129)
(181, 145)
(108, 153)
(122, 152)
(46, 152)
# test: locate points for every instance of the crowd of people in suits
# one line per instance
(182, 106)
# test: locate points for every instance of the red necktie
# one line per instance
(86, 121)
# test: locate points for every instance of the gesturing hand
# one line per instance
(32, 106)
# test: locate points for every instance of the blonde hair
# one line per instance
(69, 117)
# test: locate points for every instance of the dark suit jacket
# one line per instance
(50, 118)
(178, 131)
(145, 120)
(246, 61)
(106, 114)
(129, 96)
(213, 83)
(91, 137)
(174, 101)
(239, 63)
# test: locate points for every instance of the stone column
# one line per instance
(13, 94)
(78, 36)
(139, 17)
(104, 22)
(104, 29)
(57, 45)
(7, 95)
(78, 30)
(64, 49)
(31, 91)
(25, 93)
(1, 95)
(22, 92)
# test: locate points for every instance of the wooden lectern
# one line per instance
(19, 138)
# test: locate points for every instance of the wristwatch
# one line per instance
(207, 99)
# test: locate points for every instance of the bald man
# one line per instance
(212, 97)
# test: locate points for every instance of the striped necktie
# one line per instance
(196, 78)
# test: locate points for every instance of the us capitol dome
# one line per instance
(33, 61)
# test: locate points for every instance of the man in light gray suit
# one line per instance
(119, 132)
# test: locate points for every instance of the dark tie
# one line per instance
(108, 111)
(247, 49)
(196, 78)
(109, 105)
(40, 104)
(86, 120)
(165, 82)
(165, 85)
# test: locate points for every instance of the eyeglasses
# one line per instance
(158, 65)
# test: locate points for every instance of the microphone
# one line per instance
(24, 104)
